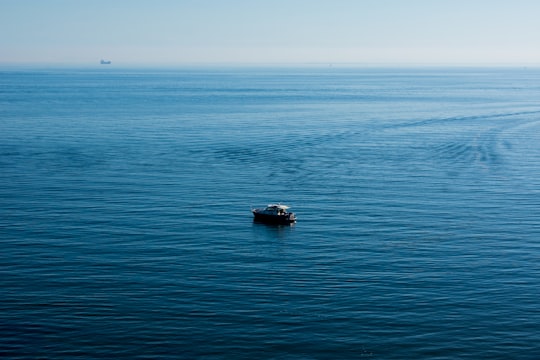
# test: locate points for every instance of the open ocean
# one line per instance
(126, 231)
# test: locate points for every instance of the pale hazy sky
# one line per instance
(179, 32)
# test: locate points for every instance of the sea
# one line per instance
(126, 229)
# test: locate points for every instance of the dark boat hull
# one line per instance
(288, 218)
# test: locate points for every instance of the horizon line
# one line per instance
(120, 64)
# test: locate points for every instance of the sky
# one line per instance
(178, 32)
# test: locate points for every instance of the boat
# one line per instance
(274, 214)
(105, 62)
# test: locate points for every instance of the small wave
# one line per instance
(465, 118)
(483, 150)
(477, 140)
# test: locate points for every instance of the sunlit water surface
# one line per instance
(126, 230)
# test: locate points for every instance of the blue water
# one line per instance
(126, 231)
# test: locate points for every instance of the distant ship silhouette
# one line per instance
(105, 62)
